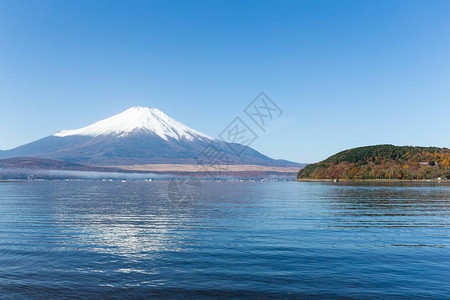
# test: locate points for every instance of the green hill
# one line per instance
(382, 162)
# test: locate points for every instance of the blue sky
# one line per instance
(345, 73)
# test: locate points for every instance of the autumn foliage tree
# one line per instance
(382, 162)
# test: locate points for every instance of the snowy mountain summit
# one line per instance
(138, 120)
(140, 136)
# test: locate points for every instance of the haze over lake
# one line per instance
(262, 240)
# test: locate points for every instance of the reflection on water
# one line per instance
(287, 239)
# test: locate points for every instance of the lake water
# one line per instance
(236, 240)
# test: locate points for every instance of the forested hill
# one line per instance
(382, 162)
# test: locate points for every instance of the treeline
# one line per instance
(382, 162)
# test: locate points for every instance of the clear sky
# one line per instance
(345, 73)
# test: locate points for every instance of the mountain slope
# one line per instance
(34, 163)
(139, 135)
(382, 162)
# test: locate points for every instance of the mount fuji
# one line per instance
(137, 136)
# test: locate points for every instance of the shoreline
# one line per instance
(372, 180)
(15, 180)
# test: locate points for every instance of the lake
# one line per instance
(232, 240)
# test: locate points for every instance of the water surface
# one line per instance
(258, 240)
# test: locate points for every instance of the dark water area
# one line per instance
(257, 240)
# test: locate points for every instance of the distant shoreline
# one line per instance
(373, 180)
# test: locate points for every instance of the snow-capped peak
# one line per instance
(138, 120)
